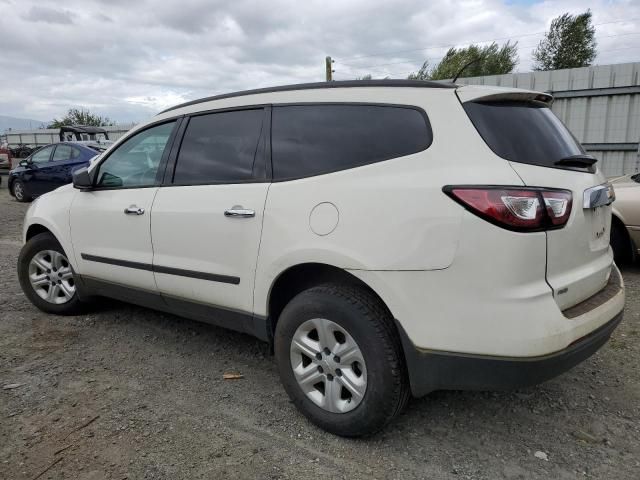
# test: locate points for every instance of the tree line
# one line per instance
(76, 116)
(569, 43)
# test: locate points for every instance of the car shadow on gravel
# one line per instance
(148, 321)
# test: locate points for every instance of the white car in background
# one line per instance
(387, 237)
(625, 230)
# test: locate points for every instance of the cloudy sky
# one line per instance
(128, 59)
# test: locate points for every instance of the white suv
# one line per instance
(388, 237)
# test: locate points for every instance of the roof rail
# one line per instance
(322, 85)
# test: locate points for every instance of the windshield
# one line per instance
(524, 132)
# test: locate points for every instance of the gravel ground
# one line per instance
(126, 392)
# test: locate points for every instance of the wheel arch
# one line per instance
(300, 277)
(36, 224)
(35, 229)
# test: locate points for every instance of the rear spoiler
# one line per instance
(480, 93)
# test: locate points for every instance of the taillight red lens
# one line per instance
(558, 203)
(520, 209)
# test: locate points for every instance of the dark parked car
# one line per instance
(48, 168)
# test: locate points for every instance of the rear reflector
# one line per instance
(515, 208)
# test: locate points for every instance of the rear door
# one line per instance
(207, 219)
(527, 134)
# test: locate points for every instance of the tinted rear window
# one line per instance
(314, 139)
(219, 148)
(523, 132)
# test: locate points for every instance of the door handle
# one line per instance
(133, 210)
(238, 211)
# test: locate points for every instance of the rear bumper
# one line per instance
(432, 370)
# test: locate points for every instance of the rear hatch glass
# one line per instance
(524, 132)
(532, 139)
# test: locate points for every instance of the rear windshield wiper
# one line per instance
(581, 160)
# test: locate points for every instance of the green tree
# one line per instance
(569, 43)
(422, 74)
(490, 60)
(76, 116)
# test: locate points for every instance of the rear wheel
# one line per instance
(340, 359)
(46, 276)
(19, 191)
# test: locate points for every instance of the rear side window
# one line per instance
(523, 132)
(65, 152)
(314, 139)
(219, 148)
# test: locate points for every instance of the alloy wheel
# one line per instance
(328, 365)
(18, 191)
(51, 277)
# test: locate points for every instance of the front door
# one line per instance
(206, 224)
(110, 224)
(38, 165)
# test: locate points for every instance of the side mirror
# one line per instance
(82, 179)
(24, 163)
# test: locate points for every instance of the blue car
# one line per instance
(48, 168)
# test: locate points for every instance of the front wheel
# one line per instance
(46, 276)
(19, 191)
(340, 359)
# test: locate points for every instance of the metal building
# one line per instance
(600, 105)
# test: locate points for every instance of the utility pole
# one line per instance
(328, 68)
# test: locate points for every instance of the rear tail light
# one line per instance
(515, 208)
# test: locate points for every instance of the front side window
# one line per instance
(65, 152)
(42, 155)
(219, 148)
(314, 139)
(135, 162)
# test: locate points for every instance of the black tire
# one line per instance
(371, 325)
(20, 195)
(38, 243)
(621, 244)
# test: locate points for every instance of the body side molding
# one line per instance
(213, 277)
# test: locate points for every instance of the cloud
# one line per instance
(102, 17)
(48, 15)
(128, 60)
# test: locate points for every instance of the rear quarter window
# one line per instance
(524, 132)
(311, 140)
